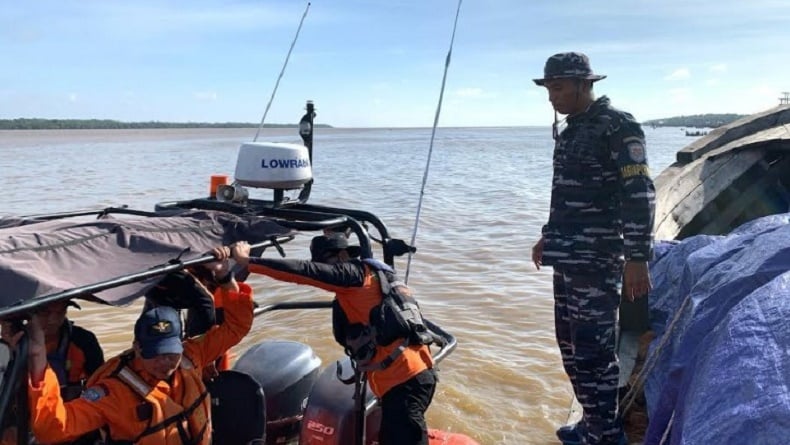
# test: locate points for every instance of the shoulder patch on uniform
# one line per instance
(636, 151)
(94, 393)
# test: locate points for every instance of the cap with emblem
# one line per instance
(158, 331)
(572, 65)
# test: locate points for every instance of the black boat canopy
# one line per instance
(41, 257)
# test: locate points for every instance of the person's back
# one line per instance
(402, 376)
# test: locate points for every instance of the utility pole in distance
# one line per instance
(785, 99)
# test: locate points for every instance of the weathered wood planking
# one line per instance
(684, 190)
(744, 127)
(748, 198)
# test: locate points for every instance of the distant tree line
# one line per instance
(696, 120)
(107, 124)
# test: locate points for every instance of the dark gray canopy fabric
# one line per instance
(40, 258)
(12, 221)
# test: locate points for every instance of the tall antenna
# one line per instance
(276, 84)
(785, 99)
(433, 134)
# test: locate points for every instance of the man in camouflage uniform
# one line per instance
(598, 238)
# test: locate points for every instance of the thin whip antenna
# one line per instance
(276, 84)
(433, 135)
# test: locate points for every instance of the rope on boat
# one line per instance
(276, 84)
(433, 135)
(650, 363)
(665, 436)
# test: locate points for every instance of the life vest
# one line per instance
(168, 421)
(397, 317)
(60, 362)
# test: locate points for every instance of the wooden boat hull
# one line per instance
(732, 175)
(735, 174)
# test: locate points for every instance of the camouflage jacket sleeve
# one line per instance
(637, 192)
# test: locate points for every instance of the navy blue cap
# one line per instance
(158, 331)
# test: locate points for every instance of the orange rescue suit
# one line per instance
(358, 290)
(112, 402)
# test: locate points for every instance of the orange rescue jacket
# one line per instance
(74, 358)
(171, 422)
(358, 290)
(113, 402)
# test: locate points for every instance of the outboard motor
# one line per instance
(330, 417)
(286, 370)
(238, 409)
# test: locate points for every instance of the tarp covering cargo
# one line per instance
(40, 258)
(720, 363)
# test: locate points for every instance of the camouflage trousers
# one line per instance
(585, 317)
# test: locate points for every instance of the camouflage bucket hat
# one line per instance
(568, 66)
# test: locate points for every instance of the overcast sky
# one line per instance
(379, 63)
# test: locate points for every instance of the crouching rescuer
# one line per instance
(379, 324)
(155, 392)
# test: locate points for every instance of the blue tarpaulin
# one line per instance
(720, 362)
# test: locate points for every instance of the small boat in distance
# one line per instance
(696, 133)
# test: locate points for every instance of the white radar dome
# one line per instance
(273, 165)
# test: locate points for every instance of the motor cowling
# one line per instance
(286, 370)
(238, 409)
(330, 417)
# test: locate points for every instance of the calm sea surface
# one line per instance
(486, 198)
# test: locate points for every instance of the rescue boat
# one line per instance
(277, 391)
